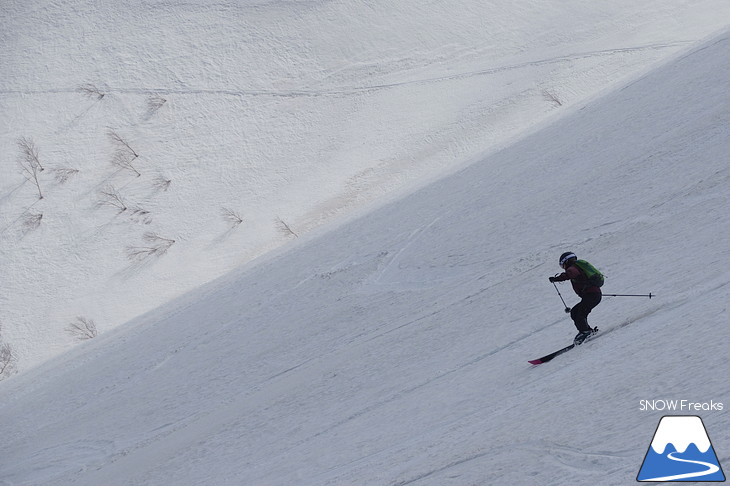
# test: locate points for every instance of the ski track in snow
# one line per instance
(358, 89)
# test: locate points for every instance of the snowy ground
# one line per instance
(390, 349)
(298, 112)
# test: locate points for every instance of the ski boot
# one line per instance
(583, 335)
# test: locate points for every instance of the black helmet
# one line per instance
(568, 255)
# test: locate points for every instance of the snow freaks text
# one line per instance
(679, 406)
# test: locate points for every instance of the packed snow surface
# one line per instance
(242, 117)
(407, 174)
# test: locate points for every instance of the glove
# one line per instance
(553, 279)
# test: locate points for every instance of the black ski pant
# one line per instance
(580, 312)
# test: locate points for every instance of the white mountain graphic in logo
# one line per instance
(681, 451)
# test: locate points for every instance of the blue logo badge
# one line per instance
(681, 451)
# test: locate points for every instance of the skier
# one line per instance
(589, 293)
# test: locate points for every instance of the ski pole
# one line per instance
(650, 295)
(567, 309)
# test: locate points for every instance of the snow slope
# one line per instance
(292, 111)
(392, 349)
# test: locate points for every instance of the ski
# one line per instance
(551, 356)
